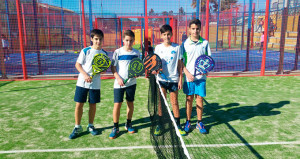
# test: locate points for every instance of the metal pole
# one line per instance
(248, 35)
(36, 35)
(83, 24)
(285, 15)
(90, 17)
(243, 27)
(8, 23)
(263, 61)
(207, 21)
(218, 25)
(21, 40)
(63, 24)
(297, 46)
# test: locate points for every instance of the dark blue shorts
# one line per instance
(119, 94)
(169, 86)
(82, 93)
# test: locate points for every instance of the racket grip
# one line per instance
(125, 81)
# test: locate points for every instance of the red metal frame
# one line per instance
(263, 61)
(21, 40)
(207, 21)
(83, 24)
(24, 24)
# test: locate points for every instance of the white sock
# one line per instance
(77, 126)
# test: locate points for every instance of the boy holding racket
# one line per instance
(85, 85)
(119, 68)
(194, 86)
(171, 67)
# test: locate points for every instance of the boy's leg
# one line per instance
(189, 106)
(199, 107)
(130, 92)
(175, 106)
(116, 112)
(78, 112)
(92, 113)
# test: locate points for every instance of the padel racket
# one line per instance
(101, 63)
(135, 68)
(152, 62)
(203, 65)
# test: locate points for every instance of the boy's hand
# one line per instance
(87, 78)
(190, 77)
(179, 85)
(154, 72)
(120, 82)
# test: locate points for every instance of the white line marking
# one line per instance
(148, 147)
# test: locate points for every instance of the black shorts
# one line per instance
(169, 86)
(119, 94)
(82, 93)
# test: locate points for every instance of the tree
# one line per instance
(225, 4)
(151, 12)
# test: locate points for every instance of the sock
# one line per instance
(188, 121)
(198, 121)
(177, 120)
(116, 125)
(90, 125)
(160, 120)
(128, 121)
(77, 126)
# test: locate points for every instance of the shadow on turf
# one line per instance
(215, 114)
(223, 114)
(5, 83)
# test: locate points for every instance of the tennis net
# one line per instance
(168, 144)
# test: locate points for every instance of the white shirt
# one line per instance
(85, 58)
(169, 57)
(191, 51)
(121, 60)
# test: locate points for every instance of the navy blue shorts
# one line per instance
(169, 86)
(119, 94)
(82, 93)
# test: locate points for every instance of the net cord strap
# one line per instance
(173, 121)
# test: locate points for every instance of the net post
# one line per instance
(218, 19)
(252, 26)
(48, 26)
(21, 40)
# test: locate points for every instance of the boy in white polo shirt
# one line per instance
(193, 85)
(86, 86)
(171, 65)
(120, 63)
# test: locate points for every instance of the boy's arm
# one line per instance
(179, 67)
(188, 75)
(117, 76)
(87, 78)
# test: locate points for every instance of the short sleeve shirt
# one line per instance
(191, 51)
(85, 58)
(121, 60)
(169, 57)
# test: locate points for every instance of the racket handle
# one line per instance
(125, 81)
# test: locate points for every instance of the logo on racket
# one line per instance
(150, 63)
(203, 64)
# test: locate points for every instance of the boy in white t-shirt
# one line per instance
(171, 67)
(85, 86)
(194, 86)
(119, 68)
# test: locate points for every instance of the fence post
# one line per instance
(21, 40)
(83, 24)
(207, 21)
(285, 15)
(263, 61)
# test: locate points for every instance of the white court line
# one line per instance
(148, 147)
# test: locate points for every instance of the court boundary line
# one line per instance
(148, 147)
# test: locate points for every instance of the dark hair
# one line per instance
(128, 33)
(97, 32)
(165, 28)
(195, 21)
